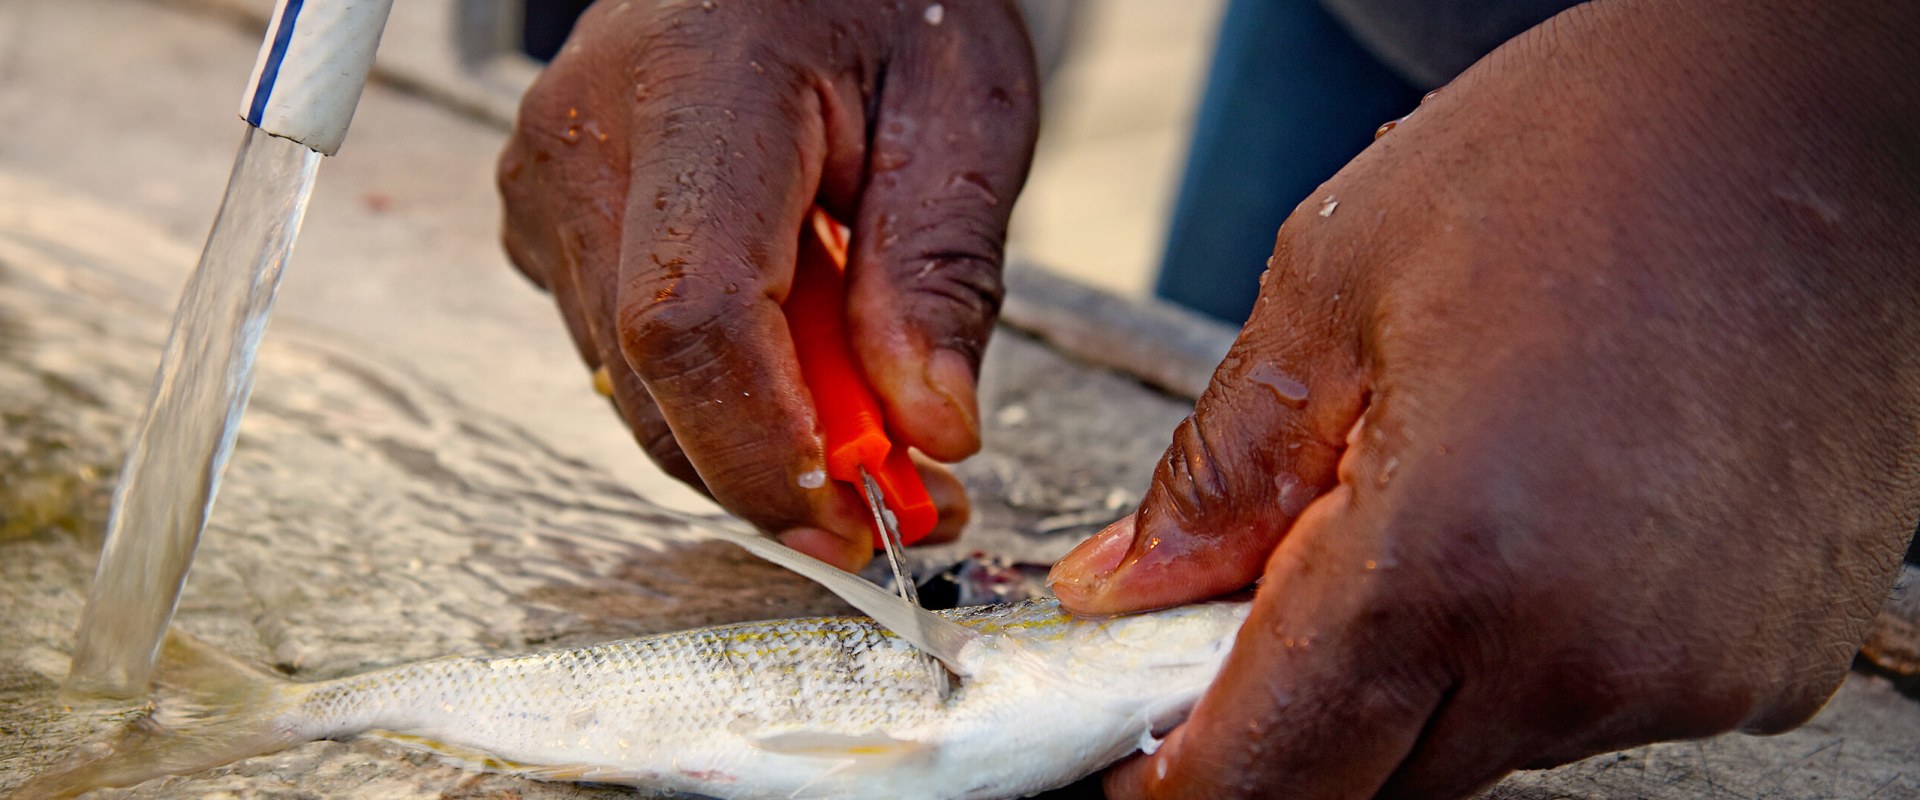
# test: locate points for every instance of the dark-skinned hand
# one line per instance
(1581, 410)
(656, 184)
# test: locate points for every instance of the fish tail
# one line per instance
(214, 709)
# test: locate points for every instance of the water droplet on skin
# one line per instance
(1160, 768)
(1290, 495)
(976, 182)
(1395, 123)
(1429, 96)
(1285, 388)
(1328, 205)
(659, 200)
(813, 479)
(1386, 471)
(732, 288)
(1372, 565)
(935, 14)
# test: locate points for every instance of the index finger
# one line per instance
(724, 166)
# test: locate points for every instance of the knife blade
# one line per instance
(859, 450)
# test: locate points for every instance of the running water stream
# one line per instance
(173, 466)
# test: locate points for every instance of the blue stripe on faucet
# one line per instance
(271, 70)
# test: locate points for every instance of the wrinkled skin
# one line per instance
(656, 183)
(1608, 357)
(1586, 417)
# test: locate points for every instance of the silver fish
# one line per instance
(819, 707)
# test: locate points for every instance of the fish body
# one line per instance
(818, 707)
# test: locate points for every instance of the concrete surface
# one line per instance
(426, 471)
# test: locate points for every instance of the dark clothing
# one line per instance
(1296, 90)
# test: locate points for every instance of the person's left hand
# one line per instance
(1605, 369)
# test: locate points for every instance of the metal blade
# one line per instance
(890, 537)
(897, 559)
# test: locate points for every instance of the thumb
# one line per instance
(949, 150)
(1263, 441)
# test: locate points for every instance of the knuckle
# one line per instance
(544, 109)
(960, 292)
(660, 445)
(524, 256)
(510, 175)
(1227, 470)
(666, 331)
(1189, 482)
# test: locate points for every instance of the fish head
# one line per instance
(1153, 646)
(1153, 664)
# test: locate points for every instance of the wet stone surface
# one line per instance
(366, 519)
(369, 518)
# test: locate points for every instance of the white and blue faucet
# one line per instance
(311, 69)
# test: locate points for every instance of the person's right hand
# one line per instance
(656, 184)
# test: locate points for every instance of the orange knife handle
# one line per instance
(849, 412)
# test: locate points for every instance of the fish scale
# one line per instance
(818, 707)
(715, 678)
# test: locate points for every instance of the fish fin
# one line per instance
(458, 754)
(474, 758)
(214, 710)
(820, 744)
(938, 636)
